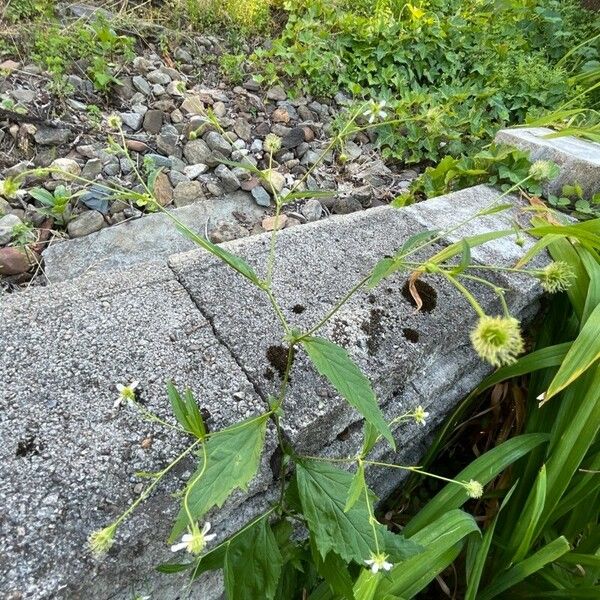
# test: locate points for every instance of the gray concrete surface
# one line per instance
(68, 461)
(579, 160)
(152, 237)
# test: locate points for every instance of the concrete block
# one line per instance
(579, 160)
(153, 237)
(68, 459)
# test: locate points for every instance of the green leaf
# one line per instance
(416, 241)
(465, 259)
(235, 262)
(384, 268)
(525, 568)
(252, 563)
(42, 195)
(482, 469)
(233, 455)
(442, 540)
(356, 488)
(323, 491)
(334, 571)
(186, 411)
(333, 362)
(173, 567)
(584, 352)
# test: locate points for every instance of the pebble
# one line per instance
(197, 151)
(275, 222)
(217, 143)
(68, 165)
(243, 129)
(344, 206)
(293, 138)
(51, 136)
(226, 232)
(15, 260)
(92, 168)
(141, 85)
(133, 120)
(261, 196)
(159, 77)
(312, 210)
(188, 192)
(167, 141)
(86, 223)
(7, 222)
(153, 120)
(229, 181)
(194, 171)
(274, 181)
(276, 93)
(163, 192)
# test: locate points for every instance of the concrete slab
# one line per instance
(68, 459)
(316, 265)
(579, 160)
(152, 237)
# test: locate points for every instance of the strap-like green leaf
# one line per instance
(333, 362)
(233, 455)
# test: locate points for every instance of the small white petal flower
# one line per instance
(420, 416)
(378, 562)
(382, 114)
(195, 541)
(126, 393)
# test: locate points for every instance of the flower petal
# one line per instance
(178, 547)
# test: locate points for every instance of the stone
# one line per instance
(141, 85)
(7, 222)
(51, 136)
(192, 105)
(68, 166)
(194, 171)
(9, 65)
(16, 260)
(275, 222)
(167, 141)
(312, 210)
(219, 109)
(133, 120)
(214, 188)
(160, 161)
(68, 460)
(153, 120)
(261, 196)
(343, 205)
(229, 181)
(23, 95)
(352, 150)
(578, 159)
(293, 138)
(217, 143)
(142, 65)
(92, 169)
(225, 232)
(197, 151)
(159, 77)
(274, 181)
(243, 129)
(276, 93)
(280, 115)
(86, 223)
(163, 192)
(155, 237)
(188, 192)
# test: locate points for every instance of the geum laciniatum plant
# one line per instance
(348, 553)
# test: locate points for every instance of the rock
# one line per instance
(312, 210)
(163, 192)
(275, 222)
(214, 188)
(15, 260)
(153, 120)
(142, 64)
(192, 105)
(175, 177)
(158, 77)
(197, 151)
(309, 134)
(217, 143)
(243, 129)
(225, 232)
(305, 113)
(137, 146)
(141, 85)
(51, 136)
(293, 222)
(293, 138)
(23, 96)
(256, 146)
(194, 171)
(86, 223)
(219, 109)
(274, 181)
(280, 115)
(67, 165)
(251, 85)
(167, 141)
(276, 93)
(176, 89)
(9, 65)
(188, 192)
(92, 168)
(229, 181)
(352, 150)
(345, 206)
(261, 196)
(183, 55)
(250, 183)
(7, 223)
(133, 120)
(4, 206)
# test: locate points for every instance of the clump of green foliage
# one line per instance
(18, 10)
(57, 48)
(453, 71)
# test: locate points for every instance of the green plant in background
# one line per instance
(17, 10)
(55, 204)
(455, 71)
(247, 16)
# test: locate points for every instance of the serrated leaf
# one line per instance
(334, 571)
(235, 262)
(323, 490)
(333, 362)
(252, 564)
(233, 455)
(356, 488)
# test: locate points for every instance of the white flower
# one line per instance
(420, 415)
(378, 562)
(375, 111)
(126, 393)
(473, 488)
(196, 541)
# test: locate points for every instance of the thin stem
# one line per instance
(191, 485)
(465, 292)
